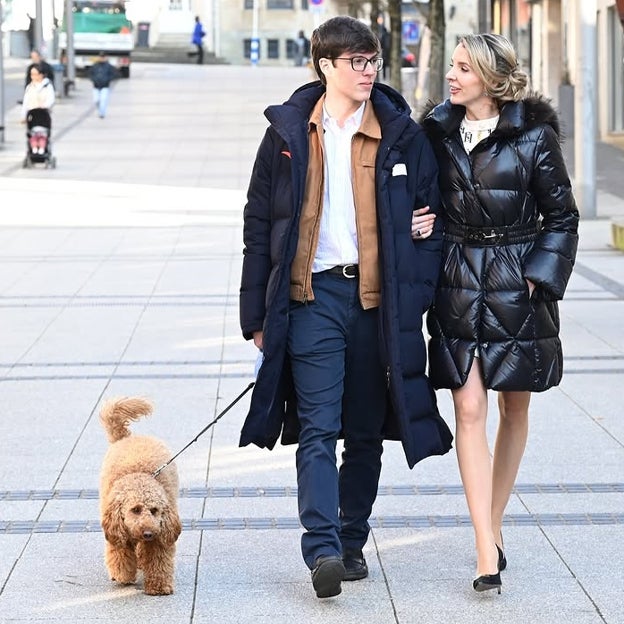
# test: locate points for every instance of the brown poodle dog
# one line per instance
(139, 512)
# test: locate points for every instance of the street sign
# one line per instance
(254, 52)
(317, 8)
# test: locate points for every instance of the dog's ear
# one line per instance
(171, 526)
(113, 523)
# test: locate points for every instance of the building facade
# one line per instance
(545, 33)
(231, 25)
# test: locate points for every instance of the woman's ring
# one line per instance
(418, 233)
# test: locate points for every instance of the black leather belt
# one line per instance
(486, 236)
(350, 271)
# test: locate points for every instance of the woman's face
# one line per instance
(36, 75)
(465, 87)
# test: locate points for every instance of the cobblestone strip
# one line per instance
(17, 527)
(289, 491)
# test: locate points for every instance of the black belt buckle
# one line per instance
(350, 271)
(485, 236)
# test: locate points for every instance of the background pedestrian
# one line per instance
(102, 73)
(37, 60)
(198, 39)
(302, 52)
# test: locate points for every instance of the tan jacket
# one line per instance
(363, 154)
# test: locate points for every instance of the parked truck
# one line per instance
(99, 26)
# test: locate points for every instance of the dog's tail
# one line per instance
(116, 415)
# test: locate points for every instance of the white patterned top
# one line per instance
(473, 131)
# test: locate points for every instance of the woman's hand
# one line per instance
(422, 223)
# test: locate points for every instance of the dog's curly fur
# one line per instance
(139, 512)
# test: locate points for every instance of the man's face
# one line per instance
(343, 80)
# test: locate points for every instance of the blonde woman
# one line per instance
(510, 244)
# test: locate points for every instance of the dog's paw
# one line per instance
(154, 589)
(124, 580)
(122, 576)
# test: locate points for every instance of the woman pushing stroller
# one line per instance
(38, 97)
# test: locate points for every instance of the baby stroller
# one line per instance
(38, 130)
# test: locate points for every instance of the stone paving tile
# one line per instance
(125, 281)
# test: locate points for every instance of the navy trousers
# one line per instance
(340, 384)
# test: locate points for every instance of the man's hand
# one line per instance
(257, 338)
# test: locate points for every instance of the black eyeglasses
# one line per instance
(358, 63)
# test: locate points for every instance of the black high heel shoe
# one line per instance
(487, 582)
(502, 560)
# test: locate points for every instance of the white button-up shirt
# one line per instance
(338, 234)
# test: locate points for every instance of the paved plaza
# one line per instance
(119, 275)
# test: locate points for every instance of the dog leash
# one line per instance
(230, 406)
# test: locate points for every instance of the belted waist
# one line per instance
(349, 271)
(491, 235)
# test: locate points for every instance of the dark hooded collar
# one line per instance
(515, 117)
(389, 105)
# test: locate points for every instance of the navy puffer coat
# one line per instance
(409, 270)
(515, 177)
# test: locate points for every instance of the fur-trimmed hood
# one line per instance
(515, 117)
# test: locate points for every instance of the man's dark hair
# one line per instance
(339, 35)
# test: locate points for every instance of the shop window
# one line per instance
(291, 48)
(176, 5)
(273, 48)
(280, 4)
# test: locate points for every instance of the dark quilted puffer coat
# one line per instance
(515, 177)
(409, 270)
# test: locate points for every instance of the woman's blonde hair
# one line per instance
(494, 60)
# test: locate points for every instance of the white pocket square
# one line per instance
(399, 169)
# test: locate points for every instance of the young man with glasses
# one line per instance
(333, 291)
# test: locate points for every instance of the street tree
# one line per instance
(437, 27)
(396, 39)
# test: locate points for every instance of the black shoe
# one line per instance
(487, 582)
(327, 575)
(502, 560)
(355, 564)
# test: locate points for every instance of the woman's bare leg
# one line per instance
(513, 429)
(475, 465)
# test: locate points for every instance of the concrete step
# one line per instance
(174, 40)
(173, 54)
